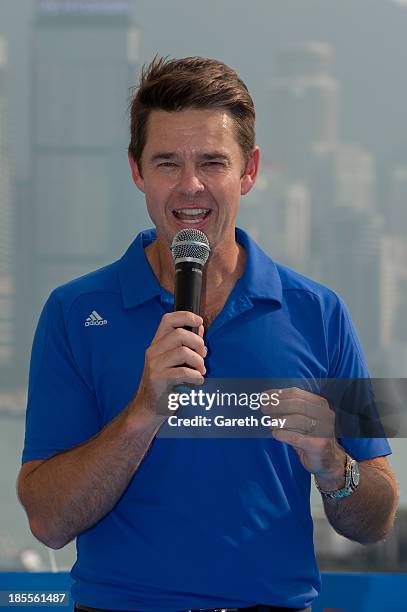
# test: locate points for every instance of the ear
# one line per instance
(251, 170)
(135, 173)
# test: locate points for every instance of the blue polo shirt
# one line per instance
(204, 522)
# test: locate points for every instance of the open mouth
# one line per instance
(191, 215)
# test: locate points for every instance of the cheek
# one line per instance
(224, 185)
(162, 188)
(229, 193)
(155, 192)
(153, 205)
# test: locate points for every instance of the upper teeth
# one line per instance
(191, 211)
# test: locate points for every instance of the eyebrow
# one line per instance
(205, 156)
(162, 156)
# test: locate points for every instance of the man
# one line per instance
(170, 524)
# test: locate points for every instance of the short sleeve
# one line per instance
(347, 361)
(346, 357)
(62, 410)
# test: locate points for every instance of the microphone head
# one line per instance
(190, 245)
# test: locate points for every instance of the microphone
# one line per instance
(190, 251)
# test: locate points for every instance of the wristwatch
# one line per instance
(352, 479)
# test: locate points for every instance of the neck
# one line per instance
(225, 265)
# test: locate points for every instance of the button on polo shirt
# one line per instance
(204, 522)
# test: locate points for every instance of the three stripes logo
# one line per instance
(95, 319)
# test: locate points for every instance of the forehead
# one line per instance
(190, 129)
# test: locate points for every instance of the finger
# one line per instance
(179, 337)
(296, 402)
(308, 426)
(295, 439)
(326, 416)
(168, 381)
(184, 375)
(299, 423)
(179, 318)
(295, 406)
(179, 356)
(295, 393)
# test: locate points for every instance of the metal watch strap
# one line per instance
(349, 486)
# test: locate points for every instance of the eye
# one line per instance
(213, 163)
(167, 164)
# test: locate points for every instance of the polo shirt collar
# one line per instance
(261, 278)
(138, 283)
(137, 280)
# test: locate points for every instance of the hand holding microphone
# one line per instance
(176, 355)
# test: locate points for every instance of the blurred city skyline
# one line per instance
(367, 36)
(327, 78)
(332, 182)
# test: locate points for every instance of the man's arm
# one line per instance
(69, 492)
(367, 515)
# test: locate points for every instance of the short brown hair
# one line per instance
(191, 82)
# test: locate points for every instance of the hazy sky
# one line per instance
(368, 36)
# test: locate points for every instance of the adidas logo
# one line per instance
(95, 319)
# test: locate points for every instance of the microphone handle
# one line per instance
(187, 296)
(187, 288)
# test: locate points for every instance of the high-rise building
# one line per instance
(22, 207)
(84, 60)
(341, 180)
(7, 271)
(303, 112)
(398, 201)
(349, 261)
(355, 178)
(277, 214)
(346, 234)
(393, 305)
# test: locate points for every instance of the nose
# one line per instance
(189, 183)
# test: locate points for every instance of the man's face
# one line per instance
(193, 173)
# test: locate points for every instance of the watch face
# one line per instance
(355, 474)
